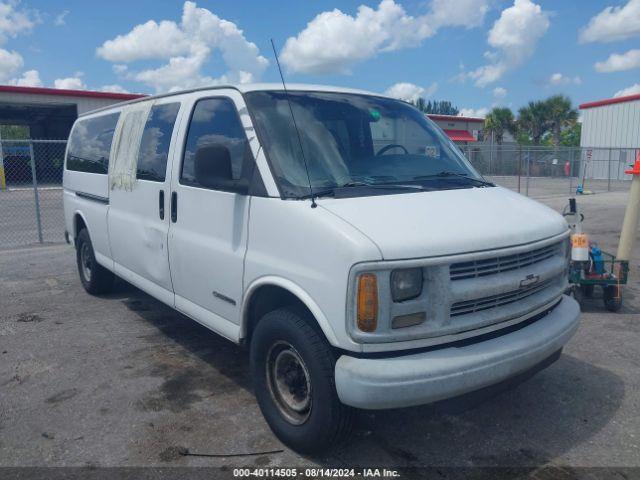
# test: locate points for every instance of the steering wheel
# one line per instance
(386, 148)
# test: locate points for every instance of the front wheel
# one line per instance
(293, 375)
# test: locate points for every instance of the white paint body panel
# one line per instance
(310, 251)
(93, 213)
(427, 224)
(207, 243)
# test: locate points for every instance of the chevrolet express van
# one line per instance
(338, 234)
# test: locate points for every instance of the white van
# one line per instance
(359, 257)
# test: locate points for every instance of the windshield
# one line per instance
(354, 140)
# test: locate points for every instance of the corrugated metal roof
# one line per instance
(610, 101)
(69, 93)
(454, 118)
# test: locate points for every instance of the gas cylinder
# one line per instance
(579, 247)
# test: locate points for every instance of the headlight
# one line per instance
(406, 284)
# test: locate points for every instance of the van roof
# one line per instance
(244, 88)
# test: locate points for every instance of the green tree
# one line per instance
(534, 120)
(560, 115)
(14, 132)
(570, 136)
(442, 107)
(499, 121)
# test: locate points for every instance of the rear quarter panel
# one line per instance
(93, 213)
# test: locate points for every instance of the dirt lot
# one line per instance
(122, 380)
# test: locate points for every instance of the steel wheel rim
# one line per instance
(85, 262)
(289, 383)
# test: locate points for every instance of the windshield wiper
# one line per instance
(354, 184)
(447, 173)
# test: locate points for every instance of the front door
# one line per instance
(208, 233)
(139, 214)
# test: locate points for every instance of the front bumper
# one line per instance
(426, 377)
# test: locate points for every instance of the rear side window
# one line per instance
(214, 121)
(156, 139)
(90, 144)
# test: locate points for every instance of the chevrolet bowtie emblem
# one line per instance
(529, 280)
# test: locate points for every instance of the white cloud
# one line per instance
(30, 78)
(70, 83)
(10, 63)
(471, 112)
(499, 92)
(14, 21)
(120, 69)
(150, 40)
(409, 91)
(61, 19)
(186, 47)
(514, 36)
(557, 79)
(632, 90)
(461, 13)
(618, 62)
(613, 23)
(334, 41)
(115, 88)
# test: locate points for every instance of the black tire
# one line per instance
(587, 290)
(612, 298)
(94, 278)
(577, 293)
(288, 333)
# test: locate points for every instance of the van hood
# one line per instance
(426, 224)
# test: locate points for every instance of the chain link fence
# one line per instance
(31, 180)
(541, 172)
(31, 192)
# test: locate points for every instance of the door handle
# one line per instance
(174, 207)
(161, 204)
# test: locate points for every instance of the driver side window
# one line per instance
(214, 121)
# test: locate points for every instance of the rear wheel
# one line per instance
(612, 298)
(94, 277)
(292, 366)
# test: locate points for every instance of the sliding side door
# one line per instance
(139, 217)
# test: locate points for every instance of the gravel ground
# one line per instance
(122, 380)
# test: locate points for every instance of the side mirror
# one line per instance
(212, 169)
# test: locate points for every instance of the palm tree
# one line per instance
(499, 121)
(561, 114)
(534, 120)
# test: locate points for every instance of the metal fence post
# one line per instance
(35, 191)
(528, 171)
(519, 165)
(3, 178)
(572, 158)
(609, 172)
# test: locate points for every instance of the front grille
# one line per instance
(491, 266)
(485, 303)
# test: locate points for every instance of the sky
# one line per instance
(478, 54)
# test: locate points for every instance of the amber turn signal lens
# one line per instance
(367, 302)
